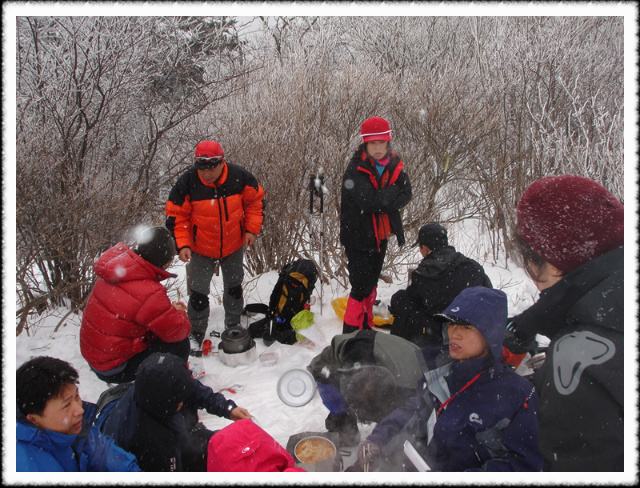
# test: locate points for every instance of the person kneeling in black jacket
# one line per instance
(157, 419)
(441, 275)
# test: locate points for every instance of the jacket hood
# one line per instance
(438, 262)
(162, 382)
(244, 447)
(484, 308)
(27, 431)
(119, 264)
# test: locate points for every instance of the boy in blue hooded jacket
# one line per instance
(471, 412)
(54, 427)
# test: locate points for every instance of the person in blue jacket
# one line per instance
(54, 430)
(471, 412)
(157, 418)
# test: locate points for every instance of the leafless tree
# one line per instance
(103, 105)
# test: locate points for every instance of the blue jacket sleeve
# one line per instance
(104, 455)
(214, 403)
(332, 398)
(395, 421)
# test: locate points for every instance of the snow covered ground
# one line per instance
(255, 384)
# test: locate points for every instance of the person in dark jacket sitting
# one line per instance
(470, 412)
(362, 377)
(157, 418)
(440, 276)
(571, 236)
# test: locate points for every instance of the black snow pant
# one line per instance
(364, 271)
(180, 349)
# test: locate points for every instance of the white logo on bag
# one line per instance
(475, 418)
(457, 309)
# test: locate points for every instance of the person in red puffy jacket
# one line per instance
(129, 315)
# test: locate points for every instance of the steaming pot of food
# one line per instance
(316, 453)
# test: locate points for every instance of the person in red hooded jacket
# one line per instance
(245, 447)
(129, 315)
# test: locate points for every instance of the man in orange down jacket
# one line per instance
(214, 211)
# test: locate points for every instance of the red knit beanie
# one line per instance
(375, 129)
(569, 220)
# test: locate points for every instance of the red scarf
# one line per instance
(381, 225)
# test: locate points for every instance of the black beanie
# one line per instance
(157, 246)
(434, 236)
(163, 380)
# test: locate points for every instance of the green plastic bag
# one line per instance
(300, 321)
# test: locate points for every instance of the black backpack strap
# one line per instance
(252, 308)
(259, 328)
(114, 393)
(88, 418)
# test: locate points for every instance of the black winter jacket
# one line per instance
(439, 278)
(145, 421)
(364, 197)
(581, 383)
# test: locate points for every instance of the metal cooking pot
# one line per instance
(235, 340)
(332, 464)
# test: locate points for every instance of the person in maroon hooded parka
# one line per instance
(571, 241)
(129, 315)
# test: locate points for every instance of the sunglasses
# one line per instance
(213, 161)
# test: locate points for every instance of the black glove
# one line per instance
(518, 343)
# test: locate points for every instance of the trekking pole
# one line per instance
(312, 192)
(317, 188)
(321, 189)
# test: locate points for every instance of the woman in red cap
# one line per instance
(374, 189)
(571, 236)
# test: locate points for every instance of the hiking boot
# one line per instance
(346, 425)
(195, 341)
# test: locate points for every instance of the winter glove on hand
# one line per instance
(368, 452)
(355, 468)
(516, 342)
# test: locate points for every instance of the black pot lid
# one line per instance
(235, 334)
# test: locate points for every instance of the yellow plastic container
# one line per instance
(340, 306)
